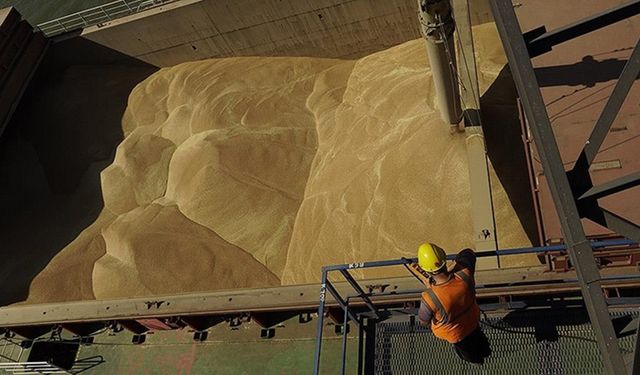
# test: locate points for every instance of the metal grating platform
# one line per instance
(522, 342)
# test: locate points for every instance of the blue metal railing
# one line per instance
(344, 269)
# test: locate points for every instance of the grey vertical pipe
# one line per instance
(437, 26)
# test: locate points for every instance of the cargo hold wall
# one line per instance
(20, 53)
(188, 30)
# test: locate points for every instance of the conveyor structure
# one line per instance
(507, 296)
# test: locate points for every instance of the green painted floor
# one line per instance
(226, 351)
(258, 357)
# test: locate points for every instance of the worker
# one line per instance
(449, 302)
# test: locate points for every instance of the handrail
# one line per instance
(348, 313)
(97, 15)
(480, 254)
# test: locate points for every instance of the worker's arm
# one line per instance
(466, 259)
(424, 314)
(419, 273)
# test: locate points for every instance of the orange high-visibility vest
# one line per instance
(455, 311)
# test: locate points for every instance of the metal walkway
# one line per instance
(541, 341)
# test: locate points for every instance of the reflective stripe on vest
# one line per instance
(461, 315)
(438, 305)
(467, 280)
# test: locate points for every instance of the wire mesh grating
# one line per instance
(540, 341)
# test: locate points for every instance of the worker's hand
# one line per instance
(420, 274)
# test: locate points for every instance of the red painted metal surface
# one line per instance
(577, 78)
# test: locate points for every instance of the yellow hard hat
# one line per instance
(431, 258)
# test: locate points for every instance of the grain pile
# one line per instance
(245, 172)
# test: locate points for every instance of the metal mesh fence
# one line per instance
(529, 342)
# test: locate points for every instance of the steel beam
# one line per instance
(619, 224)
(610, 111)
(635, 367)
(544, 42)
(612, 187)
(341, 301)
(580, 249)
(369, 346)
(354, 284)
(324, 287)
(320, 324)
(360, 346)
(345, 333)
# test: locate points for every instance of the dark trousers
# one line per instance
(474, 348)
